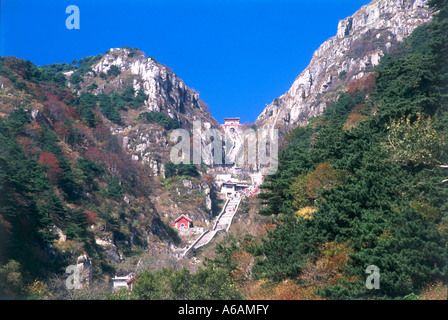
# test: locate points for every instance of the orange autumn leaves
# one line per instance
(305, 189)
(327, 268)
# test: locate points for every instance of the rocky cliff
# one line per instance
(165, 93)
(361, 40)
(97, 133)
(148, 142)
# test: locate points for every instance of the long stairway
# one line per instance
(225, 220)
(223, 223)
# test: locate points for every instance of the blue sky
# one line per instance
(239, 54)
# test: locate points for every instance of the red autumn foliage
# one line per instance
(114, 163)
(365, 83)
(51, 97)
(62, 130)
(95, 154)
(90, 217)
(121, 165)
(66, 96)
(84, 130)
(72, 113)
(51, 166)
(47, 88)
(55, 110)
(102, 133)
(28, 146)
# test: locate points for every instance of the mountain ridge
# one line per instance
(361, 40)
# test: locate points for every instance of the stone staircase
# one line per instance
(223, 222)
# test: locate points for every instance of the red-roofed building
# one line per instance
(183, 222)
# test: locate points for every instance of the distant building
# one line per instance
(230, 187)
(123, 282)
(183, 222)
(231, 124)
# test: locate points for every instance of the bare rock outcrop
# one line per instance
(360, 42)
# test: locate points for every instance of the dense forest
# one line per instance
(363, 184)
(65, 175)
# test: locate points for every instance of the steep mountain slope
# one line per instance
(361, 41)
(146, 137)
(360, 192)
(83, 156)
(164, 91)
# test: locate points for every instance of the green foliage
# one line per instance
(405, 86)
(113, 71)
(28, 205)
(75, 78)
(87, 99)
(160, 118)
(128, 98)
(168, 284)
(11, 281)
(411, 296)
(342, 75)
(132, 51)
(418, 42)
(108, 109)
(391, 205)
(18, 119)
(139, 100)
(439, 49)
(42, 185)
(93, 86)
(90, 171)
(180, 169)
(90, 168)
(339, 110)
(54, 73)
(24, 68)
(21, 86)
(115, 190)
(111, 104)
(416, 141)
(48, 142)
(84, 66)
(5, 72)
(76, 226)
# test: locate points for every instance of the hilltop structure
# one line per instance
(231, 124)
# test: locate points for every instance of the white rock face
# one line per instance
(358, 46)
(164, 89)
(166, 93)
(61, 236)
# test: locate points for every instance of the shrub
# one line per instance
(113, 71)
(160, 118)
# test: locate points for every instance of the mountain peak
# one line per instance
(360, 42)
(121, 68)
